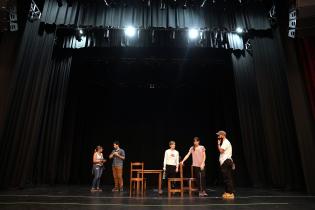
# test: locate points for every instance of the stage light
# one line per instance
(239, 30)
(203, 3)
(59, 2)
(193, 33)
(106, 3)
(130, 31)
(185, 4)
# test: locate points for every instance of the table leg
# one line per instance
(160, 183)
(138, 184)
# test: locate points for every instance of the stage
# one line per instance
(79, 197)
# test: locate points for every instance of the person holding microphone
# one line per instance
(226, 163)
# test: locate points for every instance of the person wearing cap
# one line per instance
(226, 163)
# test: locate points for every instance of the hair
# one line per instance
(116, 142)
(98, 148)
(171, 142)
(196, 138)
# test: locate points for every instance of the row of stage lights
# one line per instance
(193, 33)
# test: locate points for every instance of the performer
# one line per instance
(97, 171)
(171, 161)
(227, 165)
(118, 156)
(198, 153)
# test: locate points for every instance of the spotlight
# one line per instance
(239, 30)
(162, 5)
(203, 3)
(106, 3)
(130, 31)
(185, 4)
(79, 34)
(248, 46)
(193, 33)
(59, 2)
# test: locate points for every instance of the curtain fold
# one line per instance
(307, 51)
(33, 122)
(9, 43)
(250, 117)
(266, 119)
(96, 13)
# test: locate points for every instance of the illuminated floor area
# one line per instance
(78, 197)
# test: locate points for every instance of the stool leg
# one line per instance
(169, 188)
(190, 187)
(181, 189)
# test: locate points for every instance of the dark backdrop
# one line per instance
(112, 99)
(40, 145)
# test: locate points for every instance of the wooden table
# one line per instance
(159, 173)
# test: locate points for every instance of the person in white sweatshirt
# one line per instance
(171, 161)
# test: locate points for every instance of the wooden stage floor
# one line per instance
(79, 197)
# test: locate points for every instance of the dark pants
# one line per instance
(200, 175)
(170, 171)
(226, 169)
(97, 172)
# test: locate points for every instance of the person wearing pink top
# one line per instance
(198, 153)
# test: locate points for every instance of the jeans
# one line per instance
(97, 172)
(200, 175)
(226, 169)
(118, 178)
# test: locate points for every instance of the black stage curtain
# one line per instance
(8, 50)
(29, 141)
(95, 13)
(110, 98)
(268, 130)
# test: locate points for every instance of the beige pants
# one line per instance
(118, 179)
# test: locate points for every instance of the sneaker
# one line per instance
(201, 194)
(93, 190)
(99, 190)
(115, 189)
(229, 196)
(204, 193)
(121, 190)
(224, 195)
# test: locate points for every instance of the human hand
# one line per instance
(202, 166)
